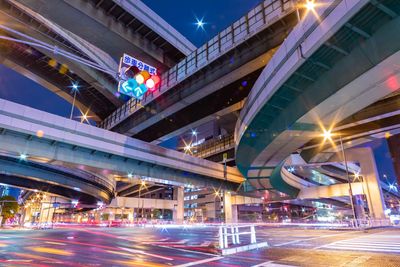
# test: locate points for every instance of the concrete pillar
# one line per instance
(179, 207)
(359, 207)
(27, 216)
(130, 215)
(111, 215)
(46, 214)
(235, 214)
(371, 185)
(228, 207)
(394, 144)
(97, 216)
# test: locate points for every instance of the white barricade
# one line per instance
(226, 231)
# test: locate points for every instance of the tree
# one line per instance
(8, 207)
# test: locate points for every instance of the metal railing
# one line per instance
(214, 146)
(235, 234)
(256, 20)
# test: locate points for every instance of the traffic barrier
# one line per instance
(235, 234)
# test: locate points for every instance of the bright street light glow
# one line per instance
(194, 133)
(310, 5)
(23, 156)
(327, 135)
(84, 117)
(130, 175)
(392, 187)
(75, 87)
(200, 23)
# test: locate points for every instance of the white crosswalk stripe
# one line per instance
(382, 242)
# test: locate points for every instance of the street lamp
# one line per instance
(194, 133)
(327, 134)
(310, 5)
(75, 90)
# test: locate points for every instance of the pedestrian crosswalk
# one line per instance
(382, 242)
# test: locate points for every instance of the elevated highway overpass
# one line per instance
(328, 69)
(54, 140)
(212, 78)
(112, 28)
(56, 180)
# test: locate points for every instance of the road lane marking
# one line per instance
(307, 239)
(200, 262)
(145, 253)
(53, 251)
(372, 242)
(187, 250)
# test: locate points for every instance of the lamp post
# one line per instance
(74, 89)
(349, 182)
(328, 135)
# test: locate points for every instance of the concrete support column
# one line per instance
(179, 207)
(359, 207)
(27, 216)
(46, 214)
(371, 185)
(130, 215)
(235, 214)
(394, 144)
(111, 215)
(97, 216)
(228, 207)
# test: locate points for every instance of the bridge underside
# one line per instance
(351, 80)
(87, 188)
(221, 83)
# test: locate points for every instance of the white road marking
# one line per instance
(187, 250)
(145, 253)
(372, 242)
(199, 262)
(307, 239)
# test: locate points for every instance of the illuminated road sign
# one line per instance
(132, 88)
(136, 77)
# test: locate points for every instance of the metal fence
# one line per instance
(214, 146)
(256, 20)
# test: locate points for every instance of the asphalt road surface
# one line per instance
(195, 246)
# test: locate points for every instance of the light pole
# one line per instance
(75, 90)
(194, 134)
(328, 135)
(348, 180)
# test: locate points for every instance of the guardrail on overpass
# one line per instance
(78, 144)
(259, 18)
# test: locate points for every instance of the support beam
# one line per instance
(179, 206)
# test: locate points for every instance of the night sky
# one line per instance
(182, 15)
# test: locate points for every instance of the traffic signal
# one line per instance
(137, 82)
